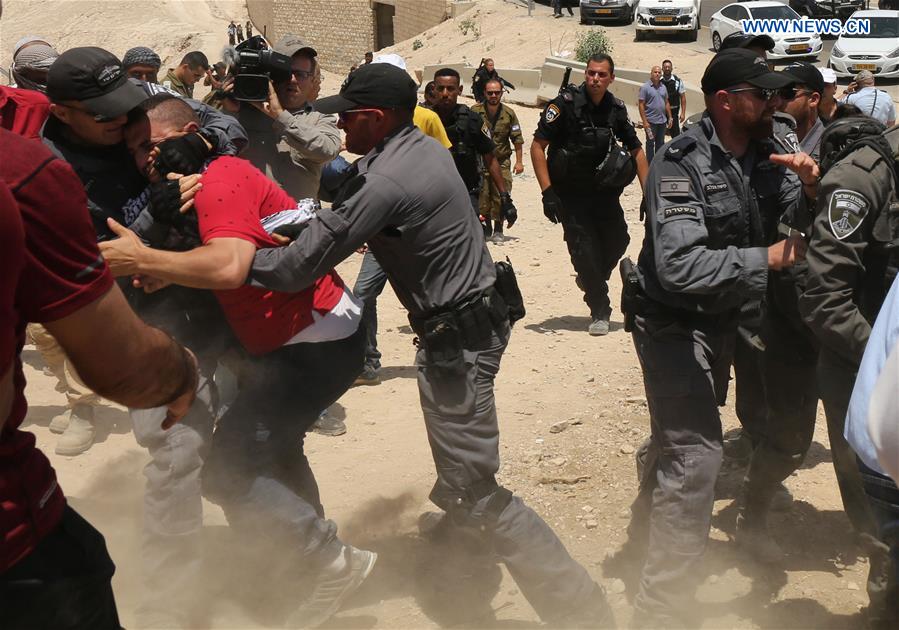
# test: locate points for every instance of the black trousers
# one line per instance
(64, 584)
(596, 235)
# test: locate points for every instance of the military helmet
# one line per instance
(841, 135)
(617, 169)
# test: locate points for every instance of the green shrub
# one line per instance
(469, 24)
(591, 43)
(417, 44)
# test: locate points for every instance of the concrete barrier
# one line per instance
(626, 86)
(526, 81)
(535, 87)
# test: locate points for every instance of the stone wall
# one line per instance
(342, 30)
(416, 16)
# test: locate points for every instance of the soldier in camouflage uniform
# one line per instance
(506, 133)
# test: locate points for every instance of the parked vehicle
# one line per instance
(786, 45)
(604, 10)
(668, 16)
(825, 9)
(878, 51)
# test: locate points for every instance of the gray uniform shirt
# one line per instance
(706, 217)
(811, 143)
(408, 203)
(292, 148)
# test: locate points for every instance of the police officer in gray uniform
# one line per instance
(405, 200)
(791, 352)
(703, 256)
(853, 260)
(583, 176)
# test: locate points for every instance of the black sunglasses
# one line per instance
(767, 94)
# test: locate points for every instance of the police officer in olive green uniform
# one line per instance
(852, 261)
(472, 145)
(583, 176)
(506, 131)
(707, 196)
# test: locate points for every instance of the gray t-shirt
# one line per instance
(654, 99)
(409, 204)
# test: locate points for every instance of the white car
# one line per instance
(786, 46)
(877, 51)
(668, 17)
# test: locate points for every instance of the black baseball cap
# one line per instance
(740, 65)
(372, 85)
(96, 78)
(744, 40)
(806, 74)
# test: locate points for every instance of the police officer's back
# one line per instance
(592, 153)
(852, 261)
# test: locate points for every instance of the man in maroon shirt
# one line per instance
(55, 571)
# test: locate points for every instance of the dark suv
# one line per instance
(841, 9)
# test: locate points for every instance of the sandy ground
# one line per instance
(375, 479)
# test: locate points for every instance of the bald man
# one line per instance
(655, 111)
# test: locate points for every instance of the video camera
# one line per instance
(255, 64)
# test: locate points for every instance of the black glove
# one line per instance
(552, 205)
(291, 230)
(165, 201)
(184, 155)
(507, 209)
(165, 208)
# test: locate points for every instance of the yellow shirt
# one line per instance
(430, 125)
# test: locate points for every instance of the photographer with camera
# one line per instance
(289, 141)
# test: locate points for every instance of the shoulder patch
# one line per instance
(674, 186)
(679, 212)
(846, 212)
(619, 103)
(551, 113)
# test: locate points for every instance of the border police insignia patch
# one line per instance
(846, 212)
(552, 112)
(485, 129)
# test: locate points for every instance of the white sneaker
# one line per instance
(331, 590)
(598, 327)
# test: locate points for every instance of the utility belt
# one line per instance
(469, 324)
(634, 301)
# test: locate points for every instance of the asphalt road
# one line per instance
(704, 44)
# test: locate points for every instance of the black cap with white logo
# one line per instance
(739, 65)
(372, 85)
(96, 78)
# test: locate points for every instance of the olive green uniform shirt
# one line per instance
(174, 83)
(506, 130)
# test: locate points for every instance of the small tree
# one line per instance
(592, 42)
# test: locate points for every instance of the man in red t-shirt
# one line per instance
(304, 351)
(54, 568)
